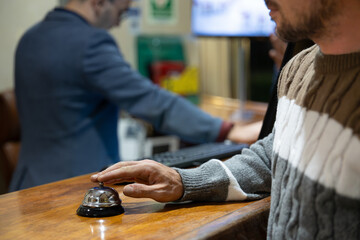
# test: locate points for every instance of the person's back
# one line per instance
(62, 117)
(71, 81)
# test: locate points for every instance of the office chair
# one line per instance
(9, 137)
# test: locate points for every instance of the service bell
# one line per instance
(100, 201)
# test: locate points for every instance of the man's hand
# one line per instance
(245, 133)
(152, 180)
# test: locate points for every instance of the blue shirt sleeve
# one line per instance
(107, 73)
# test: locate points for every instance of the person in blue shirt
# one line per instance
(71, 81)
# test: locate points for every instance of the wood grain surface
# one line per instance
(49, 212)
(226, 107)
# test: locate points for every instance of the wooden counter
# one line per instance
(226, 107)
(49, 212)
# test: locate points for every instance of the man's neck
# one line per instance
(83, 9)
(344, 34)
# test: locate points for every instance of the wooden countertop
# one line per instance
(225, 108)
(49, 212)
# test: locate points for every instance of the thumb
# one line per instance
(137, 190)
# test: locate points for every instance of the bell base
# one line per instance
(85, 211)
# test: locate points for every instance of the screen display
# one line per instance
(243, 18)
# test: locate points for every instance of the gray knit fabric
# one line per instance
(210, 181)
(311, 161)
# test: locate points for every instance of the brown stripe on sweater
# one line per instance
(325, 83)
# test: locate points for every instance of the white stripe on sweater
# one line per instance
(234, 192)
(318, 146)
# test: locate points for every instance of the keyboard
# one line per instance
(196, 155)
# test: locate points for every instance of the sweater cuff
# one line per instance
(224, 131)
(208, 182)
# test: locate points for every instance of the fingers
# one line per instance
(116, 166)
(119, 165)
(124, 173)
(158, 192)
(137, 171)
(141, 191)
(153, 180)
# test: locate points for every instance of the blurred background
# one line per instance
(163, 44)
(190, 47)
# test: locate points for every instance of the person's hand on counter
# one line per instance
(152, 180)
(245, 133)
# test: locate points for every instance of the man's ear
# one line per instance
(97, 5)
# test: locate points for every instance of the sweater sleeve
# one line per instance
(246, 176)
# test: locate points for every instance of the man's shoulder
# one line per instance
(294, 71)
(66, 24)
(78, 34)
(301, 60)
(305, 55)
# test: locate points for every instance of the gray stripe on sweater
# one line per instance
(208, 182)
(304, 209)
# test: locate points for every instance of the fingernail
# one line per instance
(95, 176)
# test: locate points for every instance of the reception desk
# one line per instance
(49, 211)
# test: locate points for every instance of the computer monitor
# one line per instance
(231, 18)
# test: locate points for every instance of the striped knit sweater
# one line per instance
(311, 161)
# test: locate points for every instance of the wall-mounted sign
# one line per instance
(163, 11)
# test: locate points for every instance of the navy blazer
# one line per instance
(70, 82)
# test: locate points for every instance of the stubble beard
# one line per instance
(312, 24)
(105, 21)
